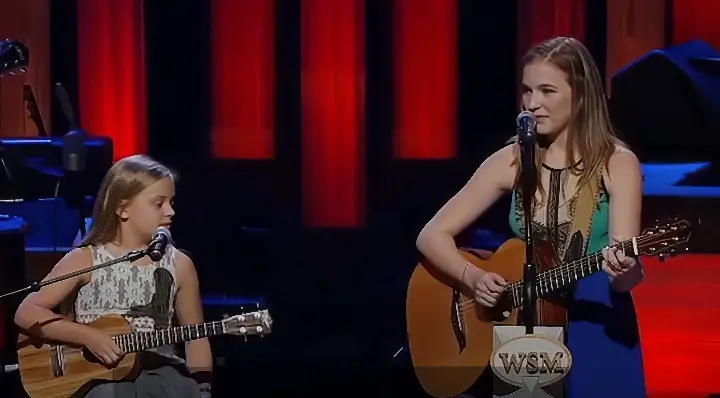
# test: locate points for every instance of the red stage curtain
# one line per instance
(111, 73)
(333, 99)
(696, 19)
(543, 19)
(634, 28)
(243, 78)
(425, 66)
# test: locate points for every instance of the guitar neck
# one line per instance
(550, 281)
(141, 341)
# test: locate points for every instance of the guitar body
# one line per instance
(53, 371)
(50, 370)
(451, 338)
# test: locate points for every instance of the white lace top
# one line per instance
(144, 295)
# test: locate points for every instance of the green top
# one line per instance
(556, 231)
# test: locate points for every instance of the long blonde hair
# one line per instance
(122, 183)
(590, 129)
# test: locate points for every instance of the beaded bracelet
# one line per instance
(462, 276)
(204, 380)
(205, 390)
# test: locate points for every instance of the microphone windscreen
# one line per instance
(163, 231)
(74, 151)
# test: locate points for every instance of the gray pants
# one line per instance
(164, 382)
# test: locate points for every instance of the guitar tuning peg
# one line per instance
(662, 258)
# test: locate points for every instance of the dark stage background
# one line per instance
(261, 223)
(337, 294)
(241, 219)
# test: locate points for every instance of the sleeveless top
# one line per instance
(143, 295)
(554, 220)
(602, 331)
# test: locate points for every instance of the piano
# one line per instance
(35, 185)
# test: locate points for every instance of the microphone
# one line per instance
(158, 244)
(526, 135)
(526, 126)
(74, 151)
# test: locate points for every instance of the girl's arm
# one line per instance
(188, 307)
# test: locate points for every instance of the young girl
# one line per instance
(135, 199)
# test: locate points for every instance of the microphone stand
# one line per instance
(36, 286)
(526, 139)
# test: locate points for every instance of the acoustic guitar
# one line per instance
(451, 338)
(52, 370)
(14, 57)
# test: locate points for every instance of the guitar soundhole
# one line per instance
(89, 356)
(503, 309)
(456, 320)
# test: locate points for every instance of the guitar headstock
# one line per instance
(668, 238)
(258, 322)
(14, 57)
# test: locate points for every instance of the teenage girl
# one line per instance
(588, 197)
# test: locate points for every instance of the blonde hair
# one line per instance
(122, 183)
(590, 129)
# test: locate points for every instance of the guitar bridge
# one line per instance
(457, 321)
(57, 359)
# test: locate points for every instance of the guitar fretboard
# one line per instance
(140, 341)
(554, 279)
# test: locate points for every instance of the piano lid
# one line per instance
(32, 167)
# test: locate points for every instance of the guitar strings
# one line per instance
(548, 275)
